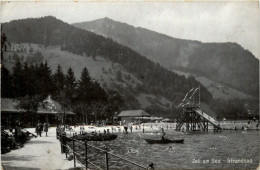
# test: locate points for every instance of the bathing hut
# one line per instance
(131, 116)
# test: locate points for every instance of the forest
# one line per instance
(155, 79)
(51, 31)
(32, 84)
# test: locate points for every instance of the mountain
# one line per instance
(225, 63)
(137, 78)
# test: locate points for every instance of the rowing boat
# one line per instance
(151, 141)
(90, 137)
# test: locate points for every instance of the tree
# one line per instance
(59, 82)
(70, 84)
(114, 104)
(84, 93)
(3, 44)
(6, 83)
(17, 82)
(34, 88)
(44, 80)
(98, 100)
(30, 104)
(26, 79)
(67, 96)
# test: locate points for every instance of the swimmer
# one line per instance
(213, 147)
(170, 148)
(225, 136)
(132, 151)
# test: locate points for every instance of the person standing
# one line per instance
(18, 132)
(39, 129)
(45, 126)
(125, 127)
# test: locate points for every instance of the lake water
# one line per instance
(218, 148)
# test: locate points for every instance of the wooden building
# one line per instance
(131, 116)
(50, 113)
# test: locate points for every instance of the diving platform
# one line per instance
(193, 117)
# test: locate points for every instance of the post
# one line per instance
(65, 143)
(73, 150)
(86, 154)
(61, 149)
(107, 167)
(57, 133)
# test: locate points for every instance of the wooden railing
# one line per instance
(65, 148)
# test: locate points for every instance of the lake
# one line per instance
(222, 150)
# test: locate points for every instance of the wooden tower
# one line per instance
(193, 117)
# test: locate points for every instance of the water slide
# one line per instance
(207, 117)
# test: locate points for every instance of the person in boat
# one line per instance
(164, 137)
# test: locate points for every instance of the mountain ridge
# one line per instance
(162, 34)
(186, 55)
(156, 80)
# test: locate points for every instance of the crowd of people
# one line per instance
(16, 137)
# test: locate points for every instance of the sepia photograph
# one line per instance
(129, 85)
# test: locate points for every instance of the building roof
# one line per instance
(52, 107)
(9, 105)
(133, 113)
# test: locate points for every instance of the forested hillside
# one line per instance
(51, 31)
(225, 63)
(152, 81)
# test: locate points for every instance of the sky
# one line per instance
(215, 21)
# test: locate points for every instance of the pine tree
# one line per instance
(26, 79)
(59, 82)
(34, 88)
(17, 80)
(84, 93)
(6, 83)
(98, 100)
(49, 79)
(115, 103)
(70, 83)
(67, 96)
(84, 85)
